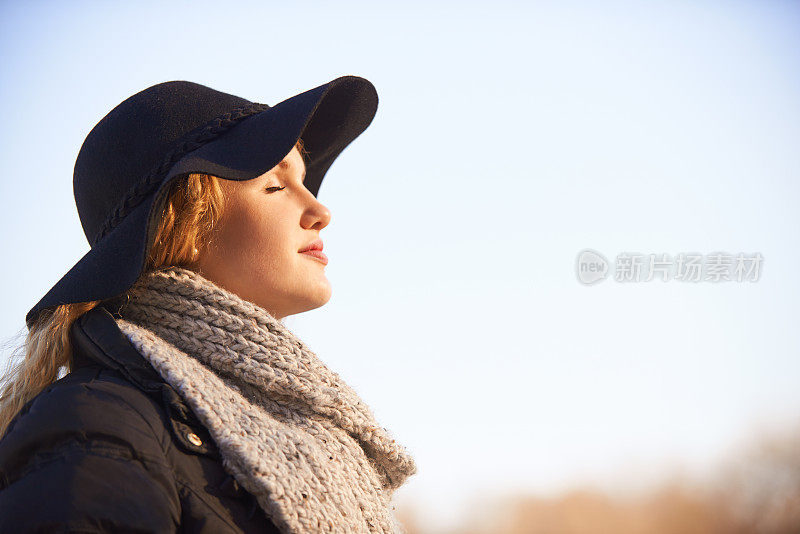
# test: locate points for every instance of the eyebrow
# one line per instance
(285, 166)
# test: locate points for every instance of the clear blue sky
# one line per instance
(508, 138)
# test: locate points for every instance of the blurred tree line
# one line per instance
(755, 492)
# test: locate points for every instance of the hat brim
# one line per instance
(328, 118)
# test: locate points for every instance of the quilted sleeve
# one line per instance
(79, 458)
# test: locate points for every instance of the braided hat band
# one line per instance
(136, 194)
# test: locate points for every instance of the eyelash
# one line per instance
(276, 188)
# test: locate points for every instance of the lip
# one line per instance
(314, 250)
(317, 255)
(314, 245)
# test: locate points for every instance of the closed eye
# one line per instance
(275, 188)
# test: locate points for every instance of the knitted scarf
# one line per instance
(289, 429)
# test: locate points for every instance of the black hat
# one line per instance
(179, 127)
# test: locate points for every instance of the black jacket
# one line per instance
(111, 447)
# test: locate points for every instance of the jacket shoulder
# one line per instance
(91, 407)
(89, 447)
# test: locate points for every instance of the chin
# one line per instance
(316, 294)
(320, 296)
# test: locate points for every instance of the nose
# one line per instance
(316, 216)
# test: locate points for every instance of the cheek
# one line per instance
(255, 241)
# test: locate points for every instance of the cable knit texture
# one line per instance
(289, 429)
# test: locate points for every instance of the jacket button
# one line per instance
(194, 438)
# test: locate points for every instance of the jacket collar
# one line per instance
(96, 339)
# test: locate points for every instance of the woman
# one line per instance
(187, 405)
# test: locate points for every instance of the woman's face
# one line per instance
(254, 249)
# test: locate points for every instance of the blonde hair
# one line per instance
(193, 206)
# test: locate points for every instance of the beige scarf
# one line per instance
(289, 429)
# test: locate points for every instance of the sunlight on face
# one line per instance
(254, 249)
